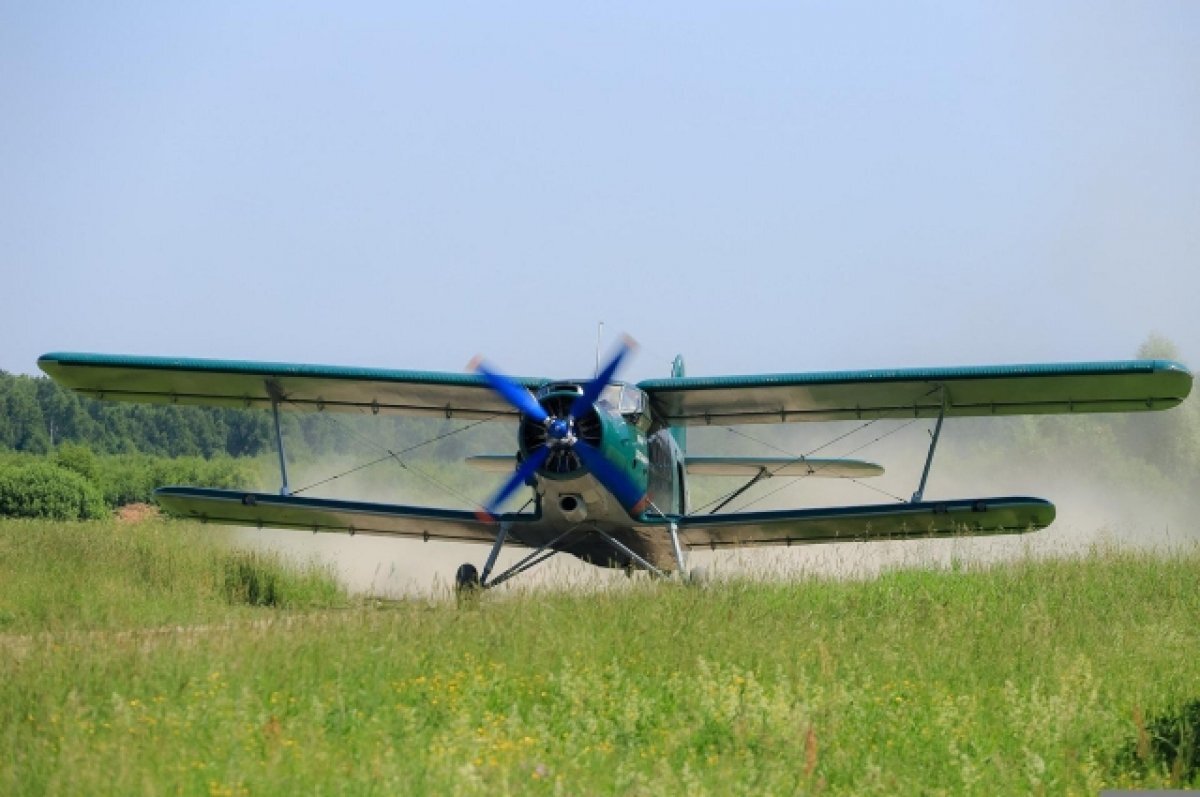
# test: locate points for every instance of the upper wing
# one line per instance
(1122, 386)
(238, 383)
(236, 508)
(872, 522)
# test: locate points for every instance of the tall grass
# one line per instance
(1030, 677)
(109, 575)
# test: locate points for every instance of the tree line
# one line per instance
(37, 416)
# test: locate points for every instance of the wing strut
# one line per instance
(276, 395)
(937, 430)
(501, 535)
(539, 555)
(673, 527)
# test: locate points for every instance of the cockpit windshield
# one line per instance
(625, 399)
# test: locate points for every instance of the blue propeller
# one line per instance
(513, 393)
(560, 433)
(519, 477)
(591, 391)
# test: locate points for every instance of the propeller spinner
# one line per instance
(561, 435)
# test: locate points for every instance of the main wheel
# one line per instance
(466, 579)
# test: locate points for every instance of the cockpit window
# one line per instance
(611, 395)
(632, 401)
(625, 399)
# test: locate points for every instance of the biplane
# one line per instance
(607, 460)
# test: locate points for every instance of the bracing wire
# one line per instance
(788, 482)
(802, 457)
(397, 457)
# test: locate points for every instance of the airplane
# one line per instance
(607, 459)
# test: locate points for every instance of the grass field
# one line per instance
(150, 659)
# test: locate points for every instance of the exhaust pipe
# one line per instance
(573, 508)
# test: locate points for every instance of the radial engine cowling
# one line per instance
(562, 460)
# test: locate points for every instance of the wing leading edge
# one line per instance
(265, 510)
(241, 383)
(973, 516)
(1119, 386)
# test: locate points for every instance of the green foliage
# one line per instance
(1170, 742)
(258, 579)
(22, 424)
(36, 415)
(1025, 678)
(78, 458)
(78, 484)
(34, 489)
(107, 574)
(132, 478)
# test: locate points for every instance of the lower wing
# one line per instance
(872, 522)
(230, 507)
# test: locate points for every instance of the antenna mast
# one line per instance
(599, 334)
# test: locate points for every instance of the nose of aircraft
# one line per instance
(559, 430)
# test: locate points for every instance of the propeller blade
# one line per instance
(592, 390)
(513, 393)
(616, 480)
(521, 475)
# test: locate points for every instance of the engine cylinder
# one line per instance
(562, 460)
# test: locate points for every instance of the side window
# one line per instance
(664, 492)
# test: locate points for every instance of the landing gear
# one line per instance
(466, 580)
(469, 581)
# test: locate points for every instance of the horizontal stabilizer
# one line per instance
(730, 466)
(782, 466)
(234, 508)
(965, 516)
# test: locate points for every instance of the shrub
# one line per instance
(43, 490)
(132, 478)
(78, 458)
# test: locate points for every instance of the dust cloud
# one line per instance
(392, 567)
(1097, 505)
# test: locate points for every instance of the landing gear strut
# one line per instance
(468, 579)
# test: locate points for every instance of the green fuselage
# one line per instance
(622, 426)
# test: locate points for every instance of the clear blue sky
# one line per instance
(763, 187)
